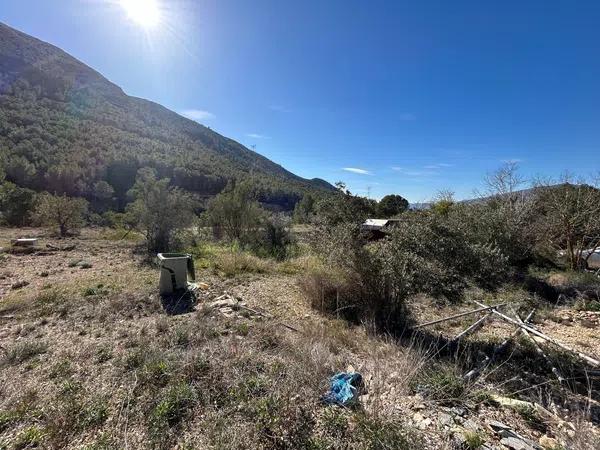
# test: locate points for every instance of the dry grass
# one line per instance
(101, 366)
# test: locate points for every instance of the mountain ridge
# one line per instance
(58, 113)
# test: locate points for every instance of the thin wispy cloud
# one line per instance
(257, 136)
(357, 170)
(414, 173)
(279, 108)
(197, 114)
(406, 117)
(437, 166)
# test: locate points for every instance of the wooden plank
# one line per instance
(456, 316)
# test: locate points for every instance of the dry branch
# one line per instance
(456, 316)
(504, 317)
(540, 352)
(473, 327)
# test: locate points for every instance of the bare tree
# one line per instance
(505, 181)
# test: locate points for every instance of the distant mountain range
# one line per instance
(65, 128)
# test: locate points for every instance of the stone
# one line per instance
(515, 444)
(470, 425)
(445, 419)
(548, 442)
(229, 302)
(459, 411)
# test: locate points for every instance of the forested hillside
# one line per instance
(64, 128)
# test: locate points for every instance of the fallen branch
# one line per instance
(540, 352)
(456, 316)
(504, 317)
(473, 327)
(499, 349)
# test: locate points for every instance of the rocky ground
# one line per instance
(89, 359)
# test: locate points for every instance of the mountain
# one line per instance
(65, 128)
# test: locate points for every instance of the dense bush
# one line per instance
(391, 205)
(371, 280)
(344, 207)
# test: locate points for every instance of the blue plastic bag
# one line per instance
(344, 389)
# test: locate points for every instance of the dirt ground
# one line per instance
(92, 302)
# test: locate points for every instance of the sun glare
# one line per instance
(144, 12)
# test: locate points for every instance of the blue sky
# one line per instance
(388, 96)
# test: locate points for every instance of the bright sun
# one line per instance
(144, 12)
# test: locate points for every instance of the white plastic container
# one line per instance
(175, 268)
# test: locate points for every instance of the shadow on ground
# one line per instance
(178, 303)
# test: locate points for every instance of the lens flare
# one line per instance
(145, 13)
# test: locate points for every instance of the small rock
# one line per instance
(470, 425)
(424, 424)
(548, 442)
(418, 417)
(459, 411)
(222, 303)
(445, 419)
(515, 444)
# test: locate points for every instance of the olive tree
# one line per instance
(67, 214)
(235, 212)
(158, 209)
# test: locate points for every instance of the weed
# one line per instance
(24, 351)
(28, 438)
(335, 422)
(61, 369)
(587, 305)
(181, 337)
(104, 354)
(97, 290)
(235, 263)
(379, 435)
(104, 442)
(173, 407)
(441, 383)
(135, 359)
(473, 440)
(93, 414)
(74, 263)
(531, 417)
(155, 372)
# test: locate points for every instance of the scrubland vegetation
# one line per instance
(100, 365)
